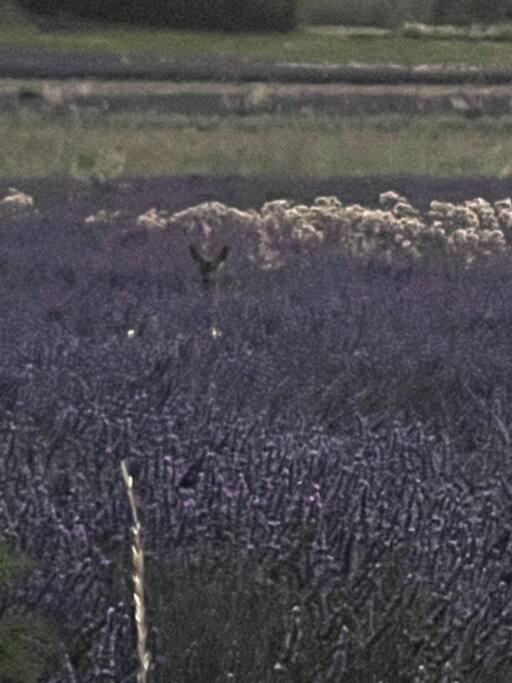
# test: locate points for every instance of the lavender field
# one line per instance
(320, 441)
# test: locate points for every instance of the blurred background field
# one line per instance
(374, 31)
(75, 145)
(388, 35)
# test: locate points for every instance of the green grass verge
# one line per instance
(36, 146)
(306, 44)
(27, 643)
(205, 617)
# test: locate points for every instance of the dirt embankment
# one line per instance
(198, 98)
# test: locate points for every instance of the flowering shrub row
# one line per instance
(395, 231)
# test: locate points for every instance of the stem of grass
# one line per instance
(143, 654)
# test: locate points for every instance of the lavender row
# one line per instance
(328, 439)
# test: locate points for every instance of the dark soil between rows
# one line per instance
(174, 193)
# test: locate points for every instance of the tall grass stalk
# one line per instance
(143, 654)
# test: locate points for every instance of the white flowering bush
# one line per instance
(392, 233)
(213, 225)
(103, 217)
(16, 204)
(395, 231)
(153, 219)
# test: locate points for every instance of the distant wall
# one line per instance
(391, 13)
(468, 11)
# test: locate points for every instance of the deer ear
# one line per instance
(194, 253)
(221, 256)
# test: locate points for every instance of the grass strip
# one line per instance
(35, 146)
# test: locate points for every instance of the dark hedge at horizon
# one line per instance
(258, 15)
(321, 454)
(213, 15)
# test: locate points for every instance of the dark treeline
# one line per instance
(228, 15)
(272, 15)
